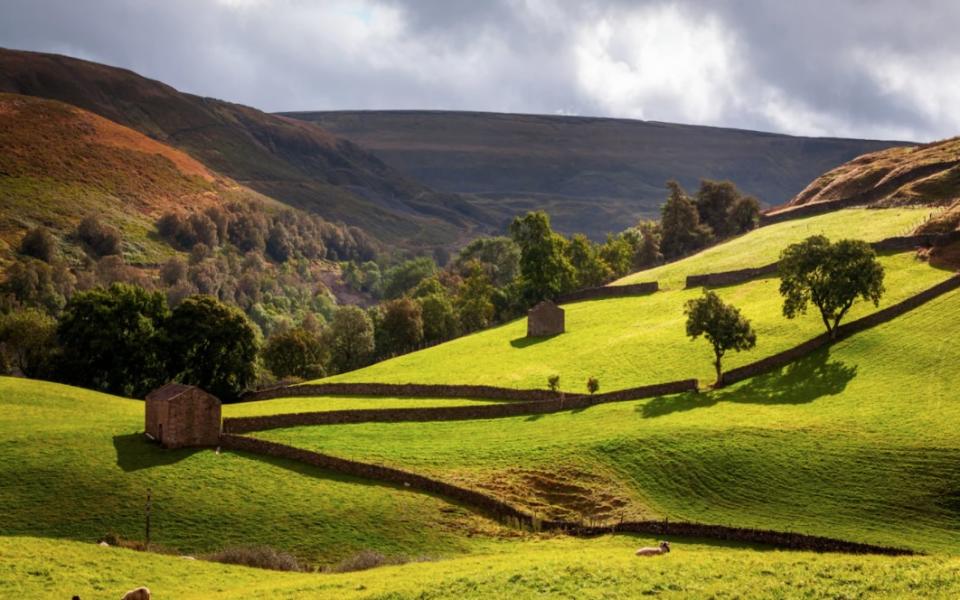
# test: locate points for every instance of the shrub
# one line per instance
(593, 385)
(260, 557)
(99, 239)
(39, 243)
(369, 559)
(553, 382)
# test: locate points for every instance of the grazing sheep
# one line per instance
(141, 593)
(662, 548)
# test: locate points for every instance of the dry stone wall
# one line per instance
(786, 357)
(610, 291)
(454, 413)
(899, 243)
(505, 511)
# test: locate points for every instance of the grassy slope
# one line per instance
(327, 403)
(294, 162)
(763, 246)
(60, 164)
(74, 466)
(626, 342)
(561, 567)
(856, 442)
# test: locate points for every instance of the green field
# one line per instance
(532, 568)
(626, 342)
(851, 442)
(328, 403)
(857, 442)
(763, 246)
(75, 466)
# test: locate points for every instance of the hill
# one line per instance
(853, 441)
(635, 341)
(592, 175)
(292, 161)
(927, 174)
(59, 164)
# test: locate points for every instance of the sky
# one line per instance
(851, 68)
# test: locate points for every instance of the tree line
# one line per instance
(265, 263)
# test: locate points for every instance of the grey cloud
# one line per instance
(806, 67)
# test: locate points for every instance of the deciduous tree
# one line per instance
(830, 276)
(211, 345)
(721, 324)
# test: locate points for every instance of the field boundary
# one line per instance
(610, 291)
(538, 401)
(505, 511)
(896, 243)
(554, 403)
(781, 359)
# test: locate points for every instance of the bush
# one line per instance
(99, 239)
(553, 382)
(260, 557)
(39, 243)
(593, 385)
(369, 559)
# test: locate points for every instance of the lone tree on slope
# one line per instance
(831, 276)
(721, 324)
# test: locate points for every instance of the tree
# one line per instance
(745, 215)
(681, 230)
(211, 345)
(715, 200)
(474, 301)
(590, 270)
(499, 256)
(401, 329)
(439, 318)
(553, 383)
(112, 340)
(831, 276)
(39, 243)
(100, 239)
(404, 277)
(544, 266)
(351, 339)
(721, 324)
(618, 252)
(297, 352)
(29, 337)
(647, 252)
(593, 385)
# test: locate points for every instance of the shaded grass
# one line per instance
(74, 466)
(857, 441)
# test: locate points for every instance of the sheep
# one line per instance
(662, 548)
(141, 593)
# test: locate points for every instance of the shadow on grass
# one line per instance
(135, 452)
(800, 382)
(524, 342)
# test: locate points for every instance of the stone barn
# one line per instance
(546, 318)
(183, 415)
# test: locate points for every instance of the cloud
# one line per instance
(658, 63)
(816, 67)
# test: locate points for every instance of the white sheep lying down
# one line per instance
(662, 548)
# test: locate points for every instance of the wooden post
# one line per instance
(149, 505)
